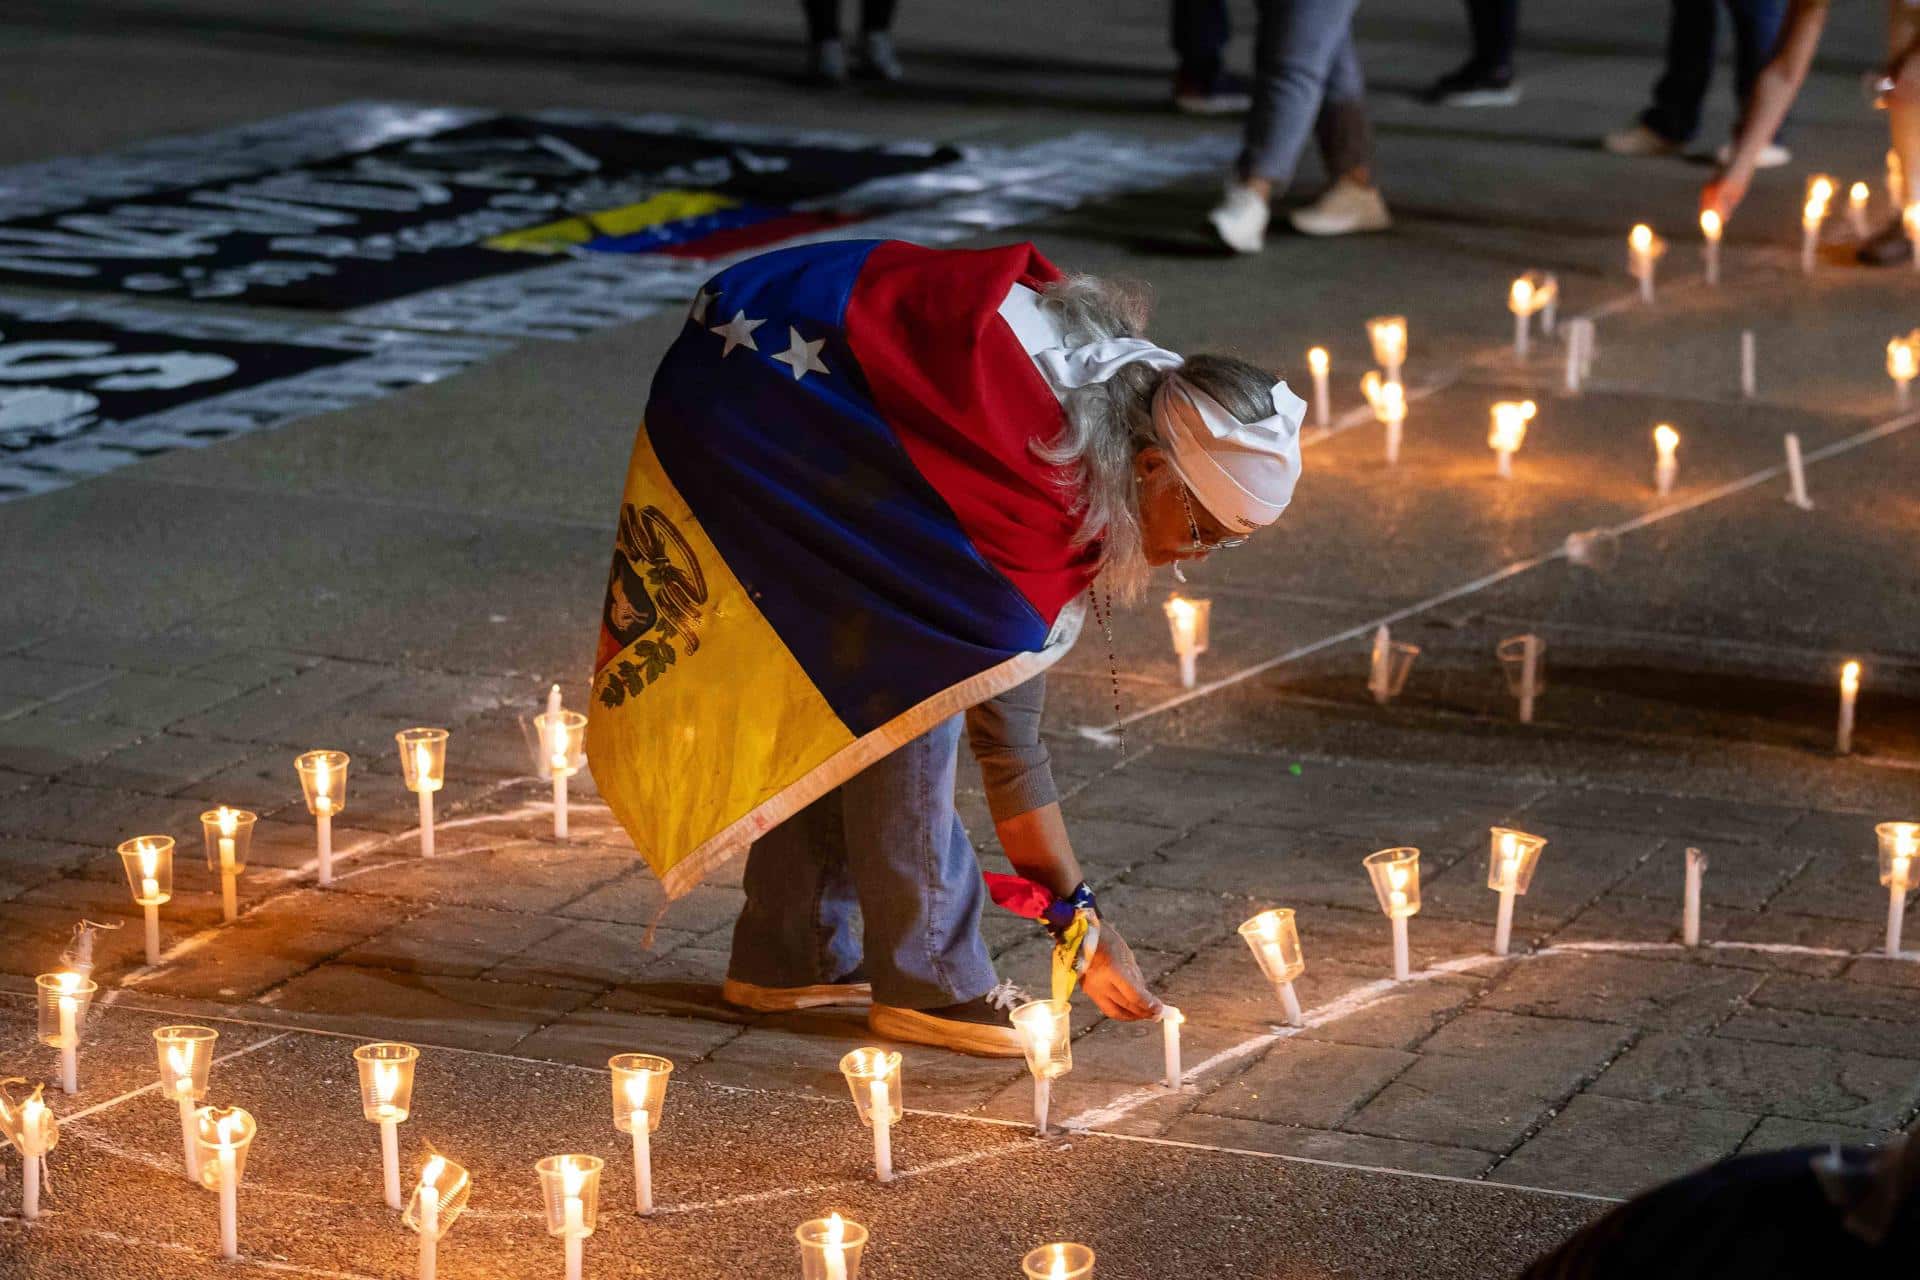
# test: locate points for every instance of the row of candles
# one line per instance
(215, 1140)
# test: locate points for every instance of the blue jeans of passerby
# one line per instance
(1306, 79)
(878, 873)
(1692, 30)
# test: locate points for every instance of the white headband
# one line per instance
(1243, 473)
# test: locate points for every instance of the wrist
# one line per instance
(1061, 912)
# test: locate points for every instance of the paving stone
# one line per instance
(1799, 1026)
(92, 815)
(1138, 794)
(1109, 842)
(684, 981)
(1401, 1019)
(38, 934)
(1797, 1081)
(161, 764)
(1262, 863)
(517, 876)
(1885, 971)
(1841, 885)
(1777, 1134)
(170, 654)
(588, 1037)
(269, 944)
(47, 746)
(1458, 1102)
(459, 941)
(1307, 1082)
(1671, 995)
(1836, 833)
(27, 682)
(1549, 1055)
(634, 896)
(1683, 820)
(1744, 877)
(284, 711)
(594, 954)
(1576, 867)
(1740, 939)
(1607, 1146)
(1121, 1063)
(1329, 1145)
(29, 860)
(458, 1013)
(141, 699)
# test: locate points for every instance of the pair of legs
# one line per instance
(877, 875)
(1692, 31)
(823, 17)
(1307, 79)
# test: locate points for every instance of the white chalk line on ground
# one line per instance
(131, 1094)
(52, 1225)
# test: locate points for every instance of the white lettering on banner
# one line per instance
(28, 414)
(138, 371)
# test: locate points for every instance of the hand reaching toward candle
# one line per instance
(1114, 982)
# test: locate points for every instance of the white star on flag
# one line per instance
(738, 332)
(697, 313)
(802, 357)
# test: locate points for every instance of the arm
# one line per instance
(1773, 94)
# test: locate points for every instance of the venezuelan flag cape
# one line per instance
(834, 535)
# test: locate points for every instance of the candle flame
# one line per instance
(1641, 237)
(386, 1081)
(422, 763)
(1710, 224)
(180, 1063)
(1397, 876)
(1850, 678)
(1666, 440)
(1814, 211)
(1520, 296)
(430, 1175)
(1906, 841)
(573, 1177)
(228, 821)
(836, 1233)
(1903, 360)
(66, 982)
(636, 1088)
(226, 1129)
(1857, 195)
(1510, 420)
(1317, 360)
(1819, 188)
(1389, 335)
(1058, 1271)
(149, 859)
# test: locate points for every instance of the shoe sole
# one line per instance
(1327, 233)
(1481, 98)
(1212, 106)
(744, 995)
(972, 1038)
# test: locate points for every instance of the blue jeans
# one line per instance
(1692, 29)
(879, 872)
(1306, 77)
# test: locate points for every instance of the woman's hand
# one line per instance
(1113, 980)
(1723, 195)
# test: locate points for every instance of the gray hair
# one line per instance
(1109, 423)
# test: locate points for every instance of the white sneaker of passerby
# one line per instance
(1241, 218)
(1345, 208)
(1771, 156)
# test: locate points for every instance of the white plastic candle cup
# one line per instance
(323, 782)
(1710, 230)
(28, 1124)
(1690, 908)
(1188, 621)
(1046, 1034)
(639, 1101)
(559, 741)
(1523, 660)
(1396, 883)
(1058, 1262)
(1274, 938)
(1393, 663)
(570, 1188)
(62, 1001)
(148, 861)
(423, 767)
(1666, 443)
(1511, 858)
(224, 1135)
(229, 838)
(873, 1079)
(452, 1186)
(1643, 250)
(1388, 335)
(830, 1248)
(185, 1054)
(386, 1099)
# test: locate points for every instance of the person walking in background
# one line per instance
(1306, 79)
(1202, 87)
(1669, 124)
(876, 59)
(1486, 78)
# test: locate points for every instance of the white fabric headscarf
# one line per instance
(1243, 473)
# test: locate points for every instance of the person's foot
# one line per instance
(1887, 247)
(1224, 95)
(1771, 156)
(1240, 219)
(1345, 208)
(852, 991)
(827, 63)
(979, 1027)
(878, 61)
(1639, 140)
(1474, 86)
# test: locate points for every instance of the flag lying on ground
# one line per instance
(834, 535)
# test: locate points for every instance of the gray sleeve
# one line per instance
(1015, 767)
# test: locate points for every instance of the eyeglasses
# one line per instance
(1193, 527)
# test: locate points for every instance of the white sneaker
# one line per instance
(1640, 141)
(1771, 156)
(1343, 209)
(1240, 219)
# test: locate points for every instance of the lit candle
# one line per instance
(1748, 364)
(1899, 847)
(1520, 302)
(30, 1126)
(1903, 361)
(229, 1194)
(63, 999)
(185, 1053)
(148, 861)
(639, 1101)
(873, 1078)
(1849, 694)
(1188, 621)
(561, 735)
(1396, 883)
(430, 1217)
(1388, 334)
(1170, 1023)
(1690, 916)
(1796, 475)
(1388, 400)
(1643, 250)
(438, 1199)
(1857, 196)
(1665, 441)
(323, 780)
(1509, 429)
(1710, 229)
(830, 1248)
(1511, 859)
(225, 1135)
(228, 834)
(423, 766)
(386, 1099)
(1058, 1262)
(1812, 214)
(1910, 222)
(571, 1188)
(1046, 1036)
(1274, 938)
(1318, 365)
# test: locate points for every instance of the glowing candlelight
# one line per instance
(562, 737)
(1318, 364)
(1046, 1034)
(570, 1186)
(386, 1099)
(1520, 302)
(63, 999)
(1521, 660)
(1690, 914)
(1388, 334)
(1189, 622)
(30, 1126)
(423, 767)
(1388, 399)
(1665, 441)
(1511, 859)
(1903, 361)
(1509, 429)
(1899, 850)
(438, 1199)
(224, 1134)
(1910, 223)
(1058, 1262)
(323, 781)
(873, 1078)
(639, 1101)
(1396, 883)
(1274, 938)
(229, 835)
(1710, 229)
(1857, 196)
(830, 1248)
(1812, 214)
(186, 1054)
(149, 865)
(1643, 250)
(1849, 694)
